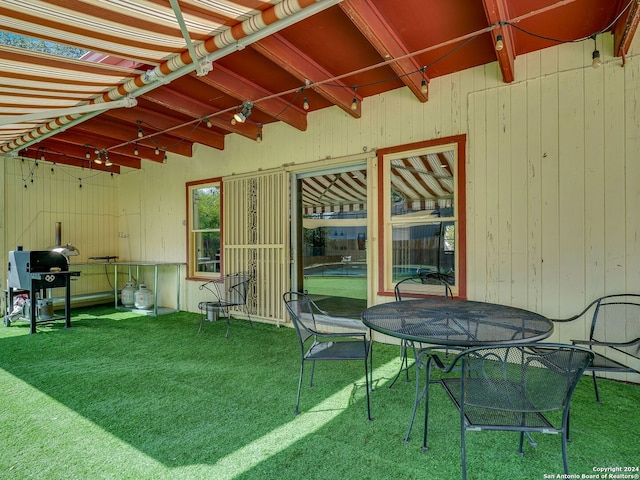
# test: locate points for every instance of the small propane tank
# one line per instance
(143, 298)
(44, 308)
(127, 295)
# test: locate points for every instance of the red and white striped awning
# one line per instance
(143, 44)
(424, 182)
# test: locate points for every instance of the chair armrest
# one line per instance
(433, 354)
(607, 344)
(362, 335)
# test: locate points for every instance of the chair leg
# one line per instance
(313, 369)
(366, 381)
(564, 454)
(425, 447)
(595, 387)
(404, 361)
(299, 387)
(416, 402)
(463, 449)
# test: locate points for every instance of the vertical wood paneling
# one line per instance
(85, 213)
(534, 195)
(503, 166)
(571, 184)
(618, 214)
(519, 242)
(594, 161)
(550, 222)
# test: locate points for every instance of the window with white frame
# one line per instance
(205, 221)
(421, 210)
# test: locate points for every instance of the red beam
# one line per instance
(157, 122)
(371, 23)
(77, 136)
(236, 86)
(181, 103)
(497, 13)
(53, 146)
(625, 29)
(62, 159)
(301, 66)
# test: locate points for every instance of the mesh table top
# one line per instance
(457, 322)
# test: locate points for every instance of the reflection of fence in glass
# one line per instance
(330, 244)
(428, 247)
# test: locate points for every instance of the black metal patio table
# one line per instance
(455, 322)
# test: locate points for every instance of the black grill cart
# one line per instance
(35, 272)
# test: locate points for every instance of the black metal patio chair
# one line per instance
(413, 287)
(230, 291)
(614, 334)
(317, 342)
(512, 388)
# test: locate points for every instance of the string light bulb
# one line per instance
(107, 162)
(208, 122)
(135, 149)
(87, 154)
(259, 134)
(354, 103)
(140, 132)
(499, 42)
(305, 103)
(595, 56)
(157, 150)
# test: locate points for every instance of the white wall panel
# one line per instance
(87, 214)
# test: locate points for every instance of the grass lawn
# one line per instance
(126, 396)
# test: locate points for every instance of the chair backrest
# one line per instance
(410, 286)
(495, 377)
(233, 290)
(236, 288)
(616, 319)
(301, 310)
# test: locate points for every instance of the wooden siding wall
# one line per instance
(88, 215)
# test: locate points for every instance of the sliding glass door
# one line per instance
(331, 231)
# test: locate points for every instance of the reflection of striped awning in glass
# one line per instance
(423, 177)
(421, 180)
(335, 192)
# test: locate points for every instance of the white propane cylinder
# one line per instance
(143, 298)
(127, 295)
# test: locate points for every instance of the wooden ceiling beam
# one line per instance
(80, 135)
(63, 159)
(181, 103)
(374, 27)
(625, 29)
(302, 67)
(118, 133)
(235, 86)
(153, 122)
(52, 145)
(497, 14)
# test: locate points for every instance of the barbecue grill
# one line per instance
(34, 272)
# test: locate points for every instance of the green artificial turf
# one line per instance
(127, 396)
